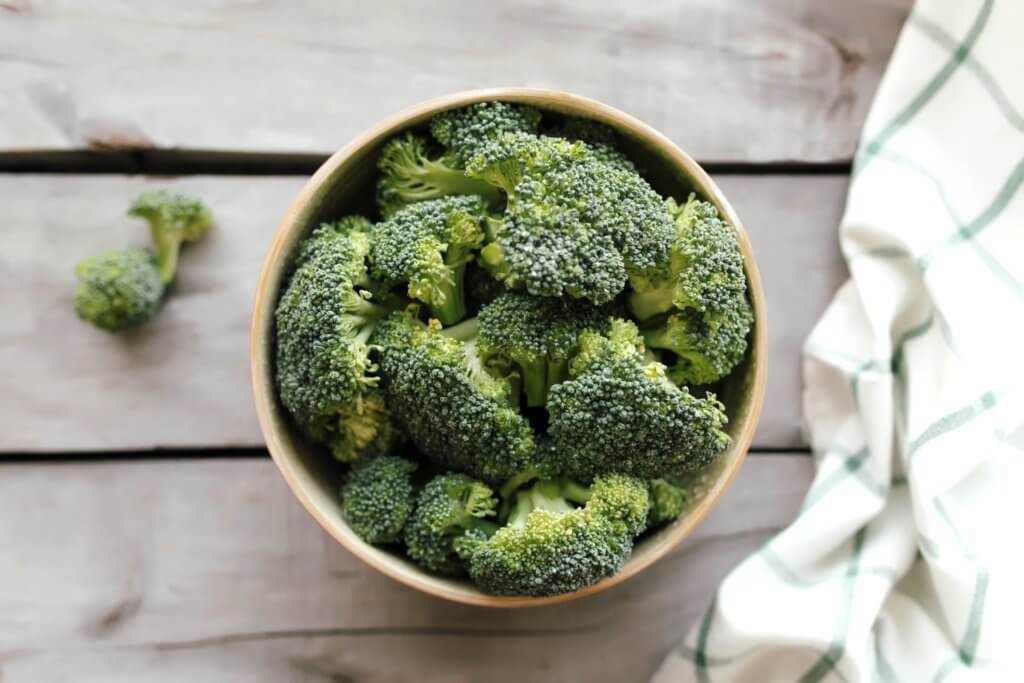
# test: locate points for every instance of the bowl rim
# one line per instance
(260, 361)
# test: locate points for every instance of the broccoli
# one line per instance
(173, 220)
(324, 319)
(463, 131)
(449, 505)
(550, 546)
(601, 139)
(410, 174)
(619, 413)
(428, 245)
(573, 223)
(119, 289)
(537, 335)
(668, 498)
(378, 498)
(459, 414)
(707, 346)
(703, 289)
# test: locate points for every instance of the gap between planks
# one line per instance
(202, 162)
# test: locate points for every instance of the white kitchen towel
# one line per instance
(905, 561)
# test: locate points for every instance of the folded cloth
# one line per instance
(905, 561)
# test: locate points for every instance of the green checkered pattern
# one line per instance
(905, 561)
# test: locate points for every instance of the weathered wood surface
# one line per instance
(732, 80)
(182, 381)
(209, 570)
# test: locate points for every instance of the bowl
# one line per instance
(343, 184)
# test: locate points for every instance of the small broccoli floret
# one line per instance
(455, 411)
(619, 413)
(464, 130)
(550, 546)
(173, 219)
(538, 335)
(409, 174)
(668, 498)
(449, 505)
(428, 245)
(707, 346)
(573, 223)
(601, 139)
(703, 288)
(324, 319)
(378, 498)
(118, 289)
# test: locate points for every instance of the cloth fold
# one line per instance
(905, 563)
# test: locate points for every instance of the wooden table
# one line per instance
(145, 534)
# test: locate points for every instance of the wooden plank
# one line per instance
(734, 80)
(182, 381)
(209, 570)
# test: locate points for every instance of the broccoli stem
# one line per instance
(517, 481)
(463, 331)
(660, 338)
(437, 180)
(535, 382)
(652, 302)
(558, 371)
(492, 258)
(168, 245)
(574, 491)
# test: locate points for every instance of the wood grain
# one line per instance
(209, 570)
(182, 381)
(734, 80)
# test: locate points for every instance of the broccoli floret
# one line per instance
(456, 412)
(378, 498)
(573, 223)
(449, 505)
(538, 335)
(707, 346)
(118, 289)
(619, 413)
(602, 140)
(550, 546)
(668, 498)
(464, 130)
(409, 174)
(703, 288)
(324, 318)
(173, 219)
(428, 245)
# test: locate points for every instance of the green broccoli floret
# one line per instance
(703, 288)
(173, 219)
(410, 174)
(449, 505)
(573, 223)
(619, 413)
(378, 498)
(707, 346)
(550, 546)
(668, 498)
(118, 289)
(428, 245)
(602, 139)
(456, 412)
(538, 335)
(464, 130)
(324, 319)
